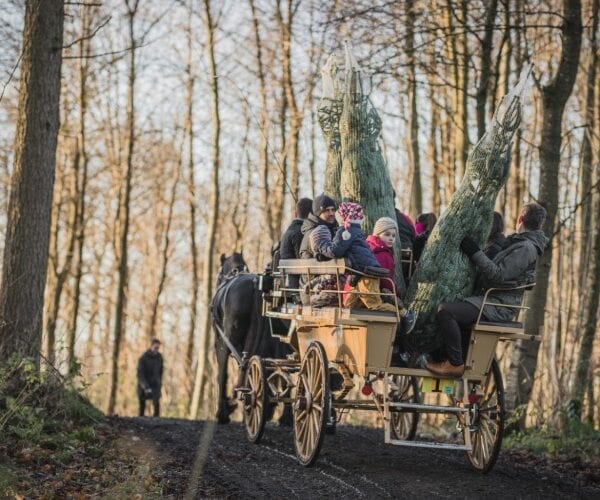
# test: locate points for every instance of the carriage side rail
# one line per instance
(513, 331)
(312, 268)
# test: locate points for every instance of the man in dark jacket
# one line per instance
(292, 238)
(514, 265)
(149, 372)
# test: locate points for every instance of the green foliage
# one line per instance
(576, 438)
(8, 480)
(39, 407)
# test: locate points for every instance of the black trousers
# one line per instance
(155, 404)
(454, 320)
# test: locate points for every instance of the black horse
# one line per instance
(237, 311)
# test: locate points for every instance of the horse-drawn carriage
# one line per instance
(335, 349)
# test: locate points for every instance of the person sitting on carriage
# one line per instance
(289, 246)
(318, 230)
(513, 266)
(496, 239)
(362, 290)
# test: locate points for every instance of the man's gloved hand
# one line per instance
(469, 246)
(321, 258)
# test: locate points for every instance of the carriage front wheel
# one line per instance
(487, 422)
(255, 398)
(311, 406)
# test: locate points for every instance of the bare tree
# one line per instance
(124, 212)
(209, 249)
(554, 98)
(26, 246)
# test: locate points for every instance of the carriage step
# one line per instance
(420, 408)
(430, 444)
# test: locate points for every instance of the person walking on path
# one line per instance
(149, 373)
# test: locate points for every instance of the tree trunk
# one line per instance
(554, 98)
(124, 213)
(194, 285)
(207, 271)
(82, 180)
(30, 205)
(486, 65)
(589, 309)
(416, 191)
(295, 113)
(164, 257)
(263, 149)
(444, 273)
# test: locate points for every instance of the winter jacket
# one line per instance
(357, 252)
(419, 245)
(406, 229)
(317, 239)
(291, 241)
(495, 245)
(513, 266)
(385, 258)
(149, 372)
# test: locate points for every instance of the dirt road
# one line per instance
(201, 459)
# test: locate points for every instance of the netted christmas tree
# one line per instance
(356, 170)
(444, 273)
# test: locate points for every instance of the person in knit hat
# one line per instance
(381, 243)
(365, 290)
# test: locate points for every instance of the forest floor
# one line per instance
(153, 458)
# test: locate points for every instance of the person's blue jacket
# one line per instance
(359, 255)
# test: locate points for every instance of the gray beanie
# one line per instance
(383, 225)
(322, 202)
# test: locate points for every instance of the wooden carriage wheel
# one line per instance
(404, 424)
(256, 399)
(311, 406)
(488, 425)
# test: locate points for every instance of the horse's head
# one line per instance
(230, 266)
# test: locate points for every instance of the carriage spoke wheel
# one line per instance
(404, 423)
(488, 425)
(311, 406)
(256, 399)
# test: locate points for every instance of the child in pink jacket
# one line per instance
(381, 243)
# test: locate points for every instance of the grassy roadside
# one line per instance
(55, 444)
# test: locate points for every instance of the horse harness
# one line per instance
(221, 294)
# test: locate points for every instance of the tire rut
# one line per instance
(353, 463)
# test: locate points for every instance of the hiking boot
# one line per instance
(408, 322)
(446, 369)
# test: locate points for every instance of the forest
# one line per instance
(142, 139)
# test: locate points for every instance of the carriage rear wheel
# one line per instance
(255, 399)
(488, 422)
(311, 406)
(404, 423)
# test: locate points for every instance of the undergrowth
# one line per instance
(54, 443)
(575, 439)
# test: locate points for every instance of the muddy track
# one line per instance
(202, 459)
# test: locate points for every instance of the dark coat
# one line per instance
(149, 372)
(291, 240)
(495, 245)
(406, 229)
(514, 265)
(357, 253)
(419, 245)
